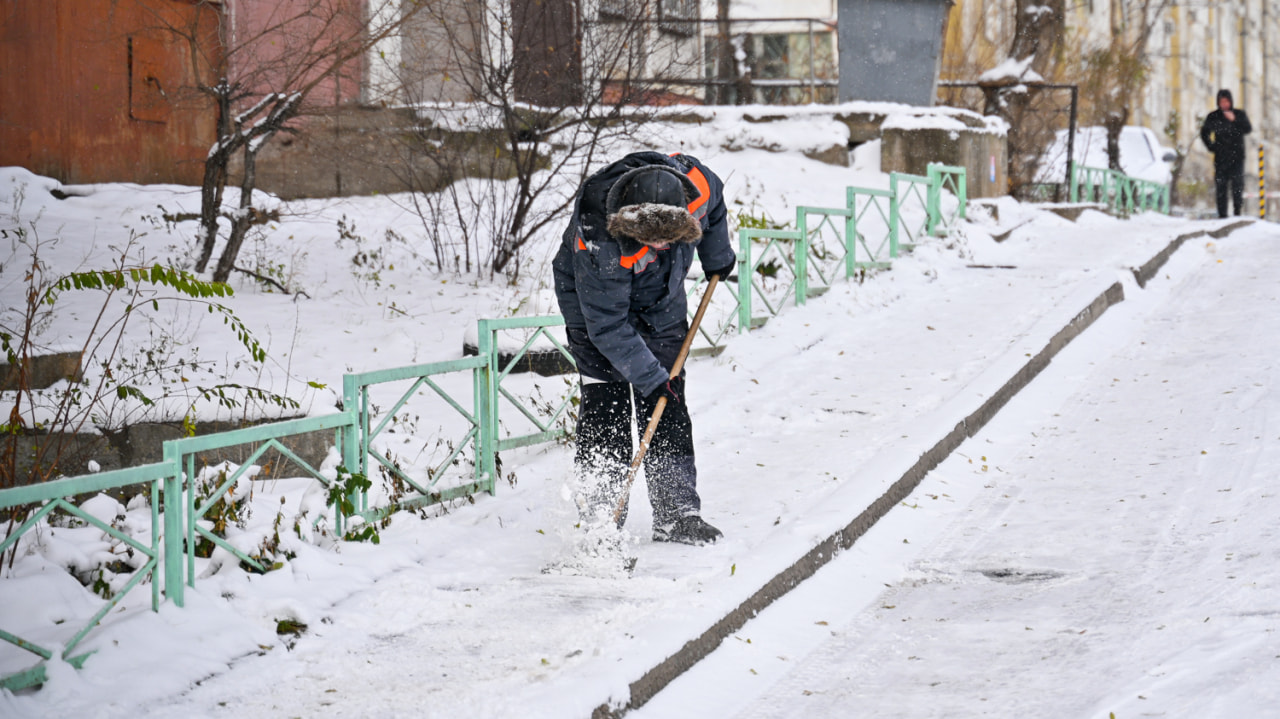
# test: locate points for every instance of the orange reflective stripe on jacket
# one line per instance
(704, 189)
(581, 245)
(630, 260)
(700, 182)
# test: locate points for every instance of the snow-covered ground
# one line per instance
(800, 425)
(1106, 546)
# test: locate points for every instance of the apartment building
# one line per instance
(1194, 48)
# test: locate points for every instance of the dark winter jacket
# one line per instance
(624, 302)
(1225, 139)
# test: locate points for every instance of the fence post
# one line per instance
(893, 215)
(157, 537)
(174, 532)
(1073, 189)
(746, 273)
(962, 190)
(850, 233)
(355, 439)
(478, 377)
(933, 200)
(487, 406)
(802, 257)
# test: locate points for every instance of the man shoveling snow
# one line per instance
(619, 279)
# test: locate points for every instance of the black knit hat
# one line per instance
(648, 205)
(650, 184)
(653, 186)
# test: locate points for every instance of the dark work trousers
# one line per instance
(1220, 185)
(606, 450)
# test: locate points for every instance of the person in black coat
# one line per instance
(1223, 133)
(619, 281)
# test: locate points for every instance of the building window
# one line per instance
(678, 16)
(615, 9)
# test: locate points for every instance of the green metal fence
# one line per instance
(494, 388)
(769, 268)
(202, 496)
(1123, 195)
(910, 220)
(829, 240)
(798, 264)
(367, 441)
(43, 499)
(721, 320)
(874, 226)
(773, 266)
(950, 179)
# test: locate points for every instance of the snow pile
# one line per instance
(1012, 69)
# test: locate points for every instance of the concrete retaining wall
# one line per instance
(983, 155)
(140, 444)
(364, 151)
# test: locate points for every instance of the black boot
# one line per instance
(686, 530)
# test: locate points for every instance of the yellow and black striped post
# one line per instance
(1262, 184)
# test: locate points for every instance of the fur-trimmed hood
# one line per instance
(662, 217)
(654, 224)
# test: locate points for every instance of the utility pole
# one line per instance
(1262, 183)
(1263, 121)
(726, 64)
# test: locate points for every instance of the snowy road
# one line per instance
(1107, 544)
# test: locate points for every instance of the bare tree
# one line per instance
(1180, 151)
(529, 95)
(1114, 75)
(263, 65)
(1039, 31)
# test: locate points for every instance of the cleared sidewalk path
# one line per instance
(1116, 554)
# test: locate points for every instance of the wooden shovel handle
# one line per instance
(662, 401)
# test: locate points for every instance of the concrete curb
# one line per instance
(1149, 269)
(643, 689)
(657, 678)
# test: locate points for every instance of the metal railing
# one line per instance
(828, 241)
(771, 281)
(490, 392)
(773, 265)
(363, 439)
(951, 179)
(1123, 195)
(873, 225)
(862, 235)
(722, 319)
(44, 499)
(738, 68)
(180, 456)
(909, 223)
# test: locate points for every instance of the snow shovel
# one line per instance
(662, 401)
